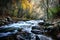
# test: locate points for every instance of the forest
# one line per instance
(29, 9)
(29, 19)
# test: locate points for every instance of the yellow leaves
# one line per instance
(30, 7)
(26, 5)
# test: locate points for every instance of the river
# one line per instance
(26, 26)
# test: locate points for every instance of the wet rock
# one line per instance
(48, 24)
(41, 23)
(24, 35)
(37, 38)
(20, 37)
(2, 22)
(37, 31)
(6, 34)
(36, 27)
(49, 28)
(9, 18)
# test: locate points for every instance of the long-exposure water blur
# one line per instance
(29, 19)
(26, 26)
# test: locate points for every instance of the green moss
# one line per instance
(52, 11)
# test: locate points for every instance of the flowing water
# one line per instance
(27, 26)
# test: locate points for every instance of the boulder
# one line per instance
(36, 27)
(37, 31)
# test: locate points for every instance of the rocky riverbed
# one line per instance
(25, 30)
